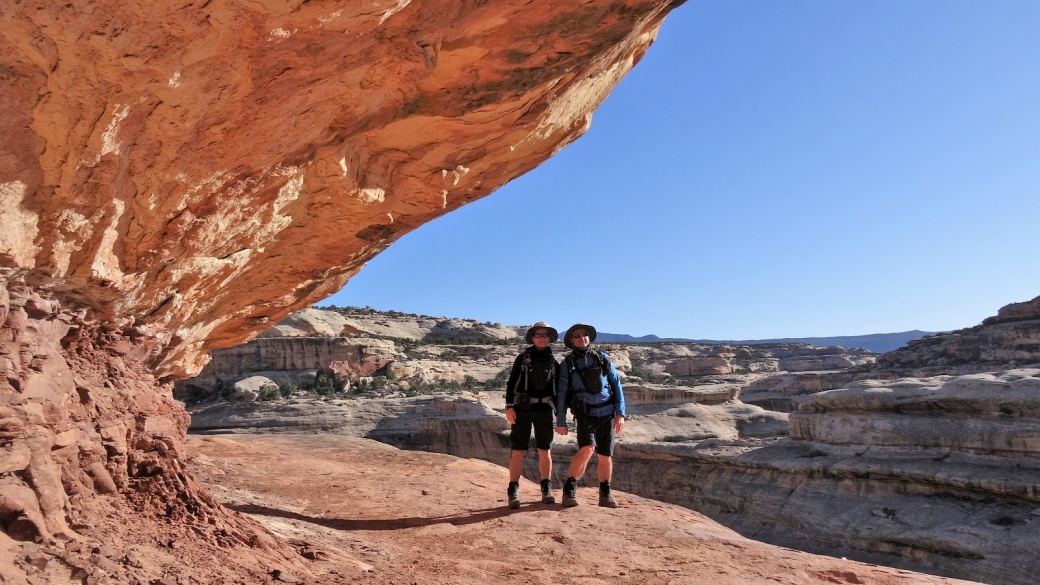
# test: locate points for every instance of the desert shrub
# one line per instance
(472, 384)
(197, 394)
(328, 383)
(268, 392)
(287, 389)
(498, 382)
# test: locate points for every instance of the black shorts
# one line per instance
(543, 423)
(598, 431)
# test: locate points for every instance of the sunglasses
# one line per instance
(540, 335)
(576, 335)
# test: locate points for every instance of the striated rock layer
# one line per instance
(1008, 340)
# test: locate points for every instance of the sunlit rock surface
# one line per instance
(197, 172)
(1008, 340)
(177, 178)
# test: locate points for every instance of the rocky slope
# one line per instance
(1008, 340)
(174, 179)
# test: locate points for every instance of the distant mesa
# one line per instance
(877, 342)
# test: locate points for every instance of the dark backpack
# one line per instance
(592, 376)
(538, 377)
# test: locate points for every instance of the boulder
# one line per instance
(248, 389)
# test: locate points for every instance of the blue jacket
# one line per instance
(569, 383)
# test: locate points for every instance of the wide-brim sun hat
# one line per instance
(588, 329)
(553, 333)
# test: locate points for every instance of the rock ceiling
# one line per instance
(191, 173)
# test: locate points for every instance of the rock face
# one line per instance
(174, 179)
(783, 392)
(83, 429)
(294, 359)
(199, 172)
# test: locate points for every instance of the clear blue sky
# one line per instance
(770, 169)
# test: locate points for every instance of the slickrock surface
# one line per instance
(369, 513)
(940, 475)
(783, 392)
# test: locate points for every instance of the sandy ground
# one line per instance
(363, 512)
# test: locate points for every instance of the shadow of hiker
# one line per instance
(471, 517)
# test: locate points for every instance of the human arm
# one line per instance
(562, 396)
(615, 387)
(514, 378)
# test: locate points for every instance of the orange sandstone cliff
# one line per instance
(176, 177)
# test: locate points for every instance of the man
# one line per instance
(589, 385)
(530, 399)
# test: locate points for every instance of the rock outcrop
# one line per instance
(84, 428)
(200, 172)
(292, 359)
(390, 325)
(1009, 340)
(174, 179)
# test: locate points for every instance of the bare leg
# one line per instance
(581, 459)
(545, 463)
(516, 465)
(604, 468)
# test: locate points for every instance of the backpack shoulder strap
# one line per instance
(605, 364)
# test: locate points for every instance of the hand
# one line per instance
(510, 415)
(561, 431)
(619, 424)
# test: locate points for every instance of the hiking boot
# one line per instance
(547, 495)
(605, 499)
(514, 494)
(570, 493)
